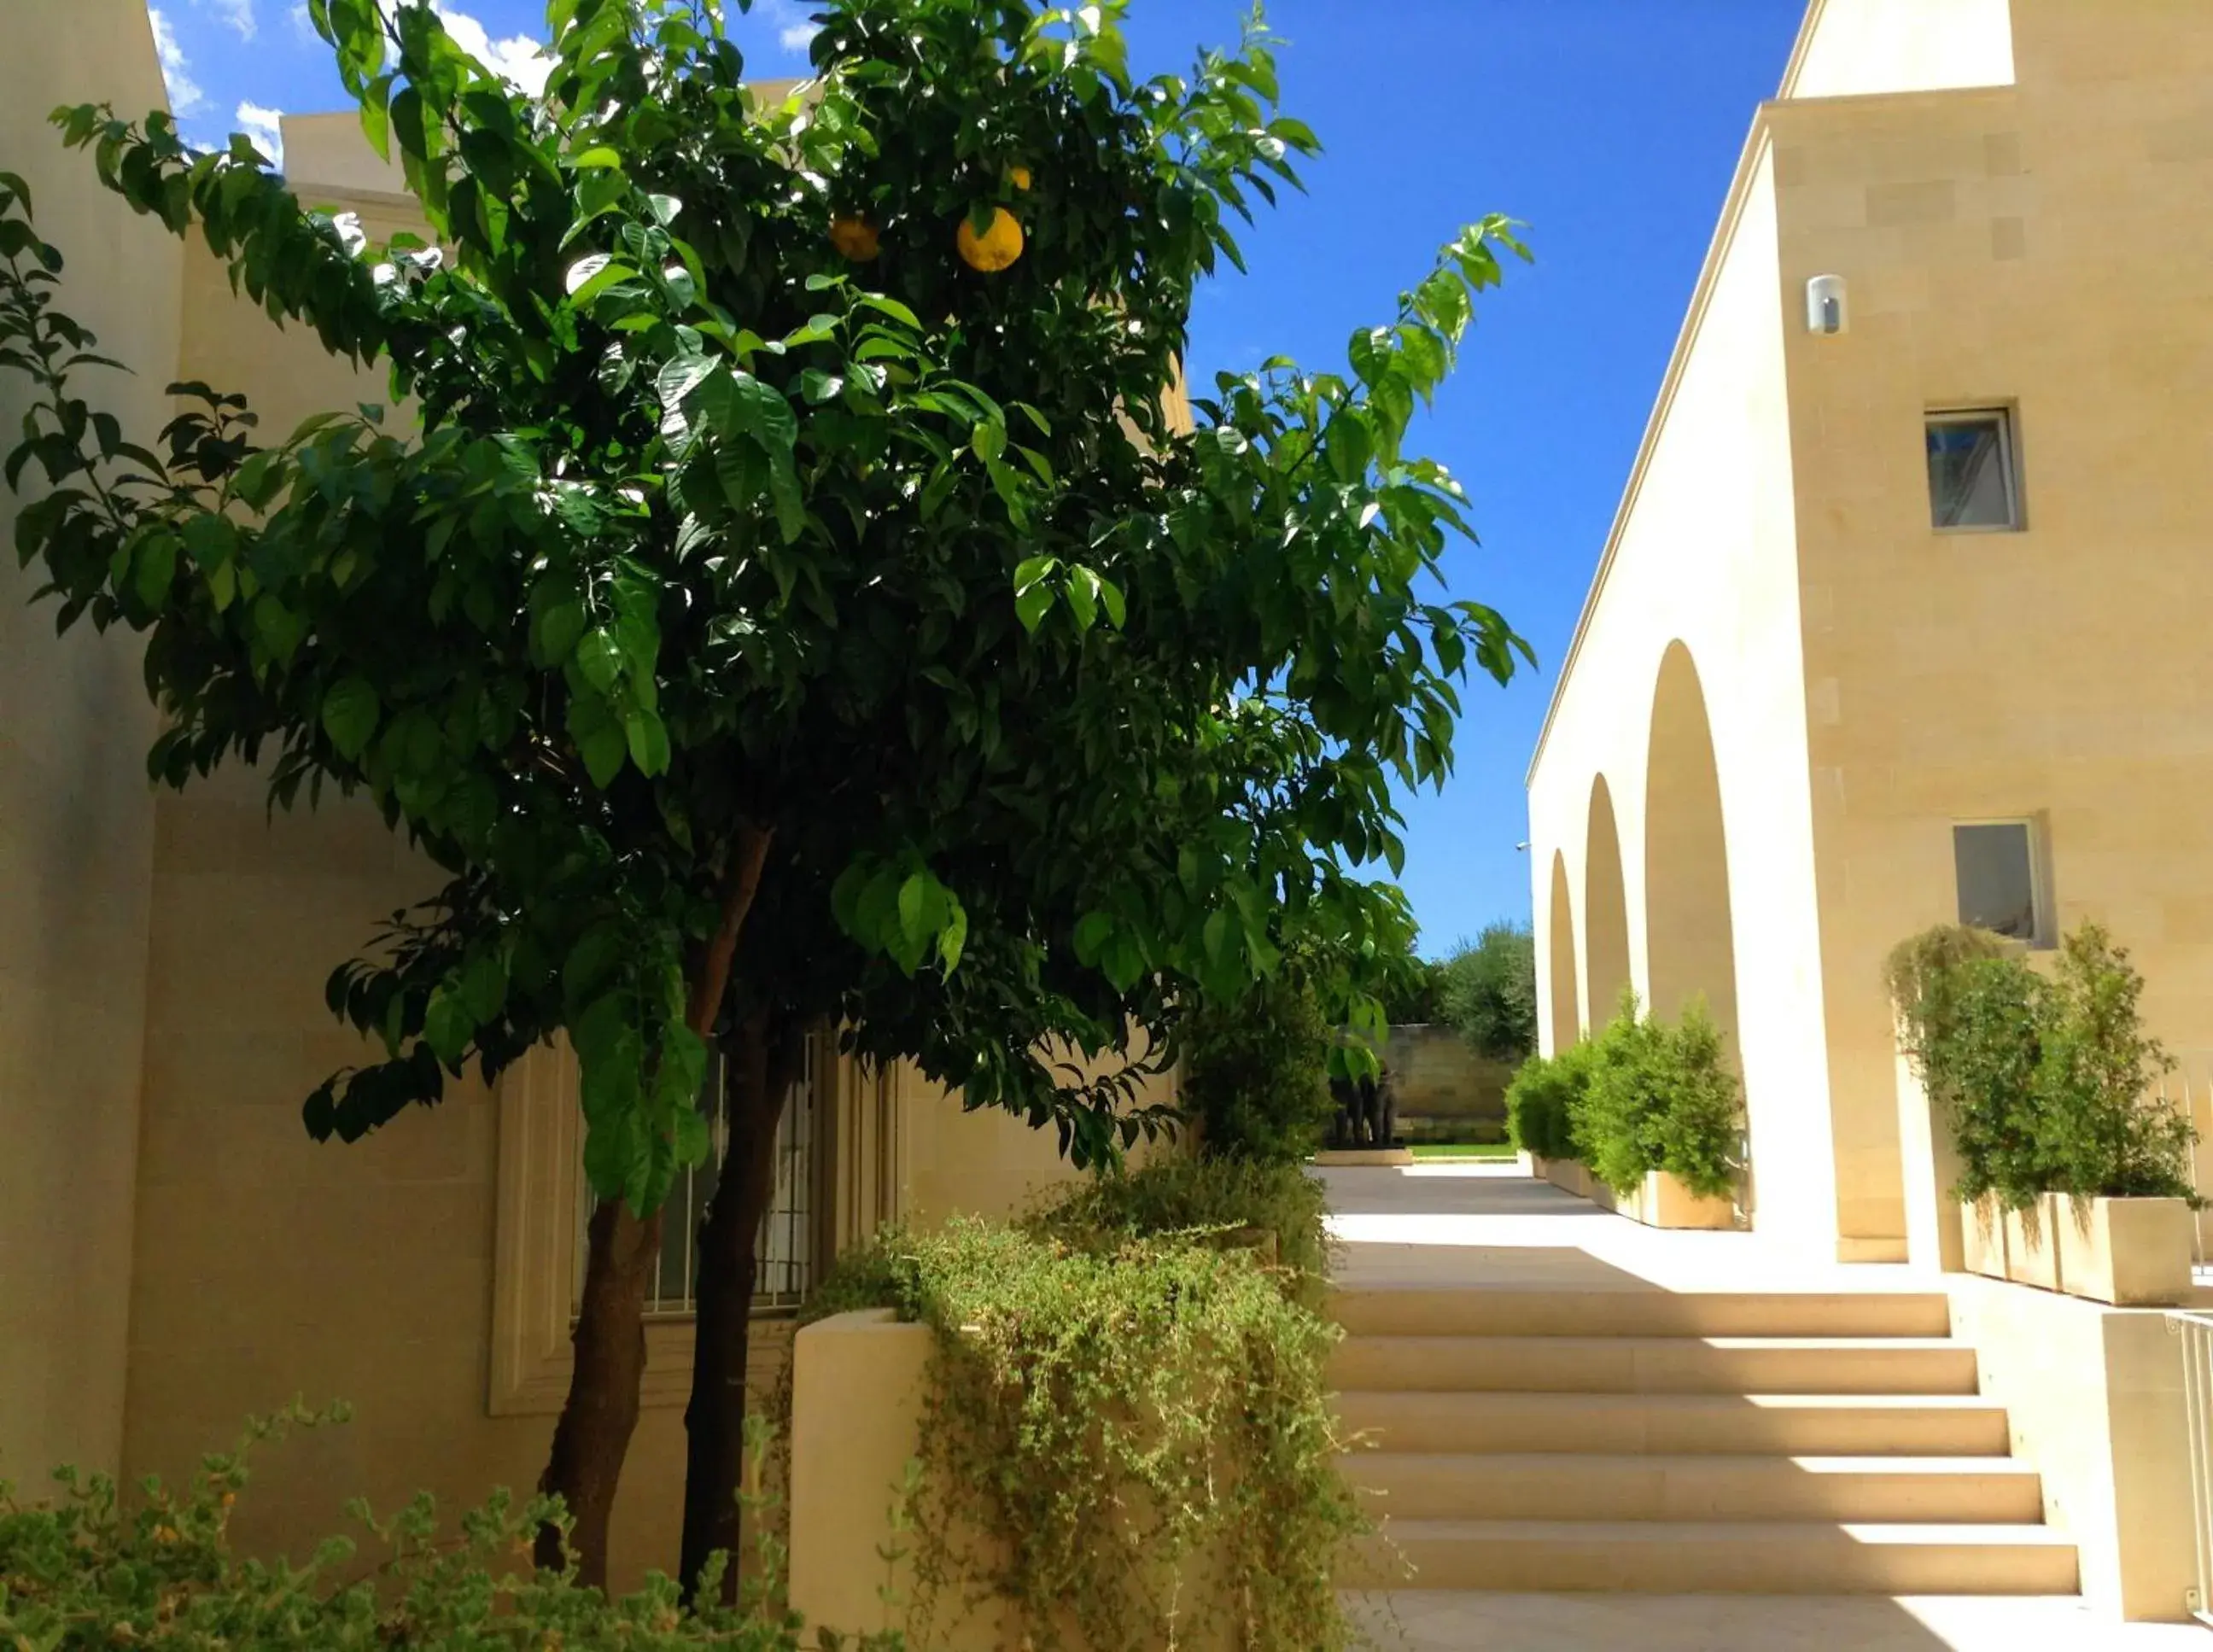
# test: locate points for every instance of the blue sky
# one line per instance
(1609, 127)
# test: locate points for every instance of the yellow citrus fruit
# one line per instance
(1019, 177)
(853, 237)
(996, 248)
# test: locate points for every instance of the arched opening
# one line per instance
(1606, 911)
(1561, 980)
(1689, 939)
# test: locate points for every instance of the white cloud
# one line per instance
(262, 126)
(518, 57)
(238, 14)
(185, 94)
(795, 29)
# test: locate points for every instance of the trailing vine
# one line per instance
(1125, 1436)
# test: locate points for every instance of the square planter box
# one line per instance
(1663, 1201)
(2032, 1243)
(2131, 1253)
(1529, 1165)
(1982, 1238)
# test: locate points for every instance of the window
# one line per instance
(1971, 480)
(840, 1158)
(2000, 887)
(784, 1253)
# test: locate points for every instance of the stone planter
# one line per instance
(1663, 1201)
(1982, 1238)
(1567, 1176)
(2132, 1253)
(2031, 1242)
(1529, 1164)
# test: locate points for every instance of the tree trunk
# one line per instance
(765, 1059)
(593, 1436)
(623, 1252)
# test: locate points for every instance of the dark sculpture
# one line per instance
(1367, 1111)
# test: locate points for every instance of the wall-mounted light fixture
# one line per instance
(1825, 305)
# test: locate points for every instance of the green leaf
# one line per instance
(154, 569)
(647, 738)
(599, 157)
(1092, 931)
(953, 939)
(599, 658)
(1032, 604)
(989, 439)
(448, 1026)
(350, 711)
(601, 740)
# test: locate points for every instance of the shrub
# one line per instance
(1117, 1419)
(1199, 1199)
(1541, 1102)
(2102, 1130)
(1489, 992)
(1256, 1073)
(82, 1572)
(2046, 1085)
(1660, 1097)
(1413, 996)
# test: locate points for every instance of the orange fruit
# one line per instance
(1019, 177)
(853, 237)
(994, 250)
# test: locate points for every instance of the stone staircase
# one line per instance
(1711, 1442)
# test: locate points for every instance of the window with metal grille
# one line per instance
(785, 1252)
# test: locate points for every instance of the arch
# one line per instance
(1564, 1020)
(1606, 911)
(1690, 932)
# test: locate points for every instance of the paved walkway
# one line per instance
(1488, 1226)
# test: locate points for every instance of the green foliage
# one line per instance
(1489, 992)
(1255, 1073)
(1177, 1196)
(2047, 1085)
(1541, 1102)
(1659, 1097)
(86, 1572)
(1051, 715)
(1413, 997)
(1115, 1423)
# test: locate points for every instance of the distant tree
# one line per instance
(1414, 993)
(1489, 992)
(786, 602)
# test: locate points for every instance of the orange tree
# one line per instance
(783, 597)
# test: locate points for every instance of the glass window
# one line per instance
(1970, 470)
(784, 1252)
(1996, 866)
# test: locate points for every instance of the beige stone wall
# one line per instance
(1853, 47)
(77, 814)
(2022, 238)
(1445, 1090)
(2031, 248)
(1702, 562)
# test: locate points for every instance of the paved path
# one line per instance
(1486, 1225)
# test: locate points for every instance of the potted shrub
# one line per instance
(2074, 1176)
(1537, 1109)
(1660, 1118)
(2115, 1154)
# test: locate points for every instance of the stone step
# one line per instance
(1820, 1425)
(1569, 1486)
(1416, 1312)
(1624, 1364)
(1715, 1558)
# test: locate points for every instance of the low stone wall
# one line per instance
(2095, 1402)
(1446, 1091)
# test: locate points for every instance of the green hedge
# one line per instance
(1255, 1073)
(1540, 1101)
(2048, 1085)
(1643, 1095)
